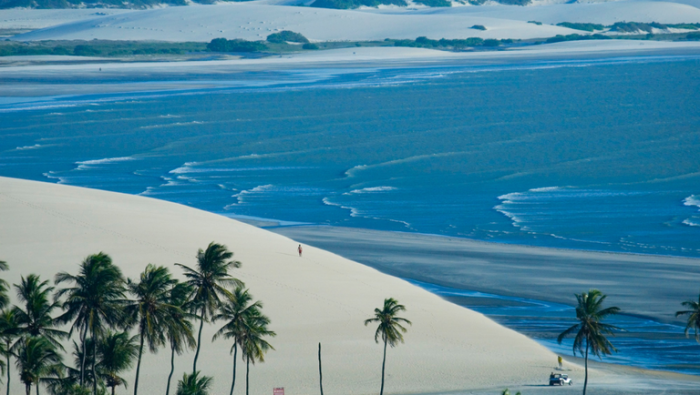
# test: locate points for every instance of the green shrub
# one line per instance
(434, 3)
(535, 22)
(478, 27)
(85, 50)
(287, 36)
(693, 36)
(236, 45)
(576, 37)
(634, 27)
(588, 27)
(310, 46)
(491, 43)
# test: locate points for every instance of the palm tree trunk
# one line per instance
(82, 363)
(172, 367)
(247, 370)
(320, 371)
(113, 387)
(7, 357)
(381, 392)
(235, 353)
(199, 341)
(94, 361)
(138, 365)
(37, 387)
(585, 381)
(28, 389)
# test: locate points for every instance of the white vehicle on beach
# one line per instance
(559, 379)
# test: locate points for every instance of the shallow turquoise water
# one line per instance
(596, 155)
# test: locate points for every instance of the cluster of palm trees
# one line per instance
(590, 330)
(102, 308)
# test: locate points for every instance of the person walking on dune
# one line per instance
(300, 250)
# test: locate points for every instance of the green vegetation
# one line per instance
(457, 44)
(350, 4)
(588, 27)
(535, 23)
(478, 27)
(389, 329)
(287, 36)
(693, 321)
(634, 27)
(102, 48)
(236, 45)
(590, 331)
(434, 3)
(193, 384)
(693, 36)
(310, 46)
(576, 37)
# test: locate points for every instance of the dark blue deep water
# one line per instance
(587, 155)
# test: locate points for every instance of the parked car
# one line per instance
(559, 379)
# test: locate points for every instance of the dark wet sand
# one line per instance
(646, 285)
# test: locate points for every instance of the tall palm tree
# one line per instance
(209, 281)
(590, 331)
(35, 357)
(150, 310)
(252, 342)
(390, 329)
(36, 307)
(693, 317)
(178, 329)
(94, 302)
(193, 384)
(4, 286)
(237, 311)
(9, 331)
(116, 353)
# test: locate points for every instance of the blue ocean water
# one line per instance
(640, 342)
(587, 154)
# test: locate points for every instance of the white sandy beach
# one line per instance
(320, 297)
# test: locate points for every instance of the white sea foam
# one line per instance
(51, 175)
(88, 164)
(695, 222)
(370, 190)
(546, 189)
(692, 200)
(28, 147)
(167, 125)
(240, 196)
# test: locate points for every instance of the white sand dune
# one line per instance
(604, 13)
(20, 18)
(256, 20)
(252, 21)
(47, 228)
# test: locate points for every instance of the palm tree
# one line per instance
(34, 316)
(192, 384)
(209, 281)
(36, 357)
(4, 299)
(8, 333)
(150, 309)
(94, 302)
(178, 329)
(237, 311)
(693, 317)
(590, 331)
(390, 329)
(116, 353)
(250, 339)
